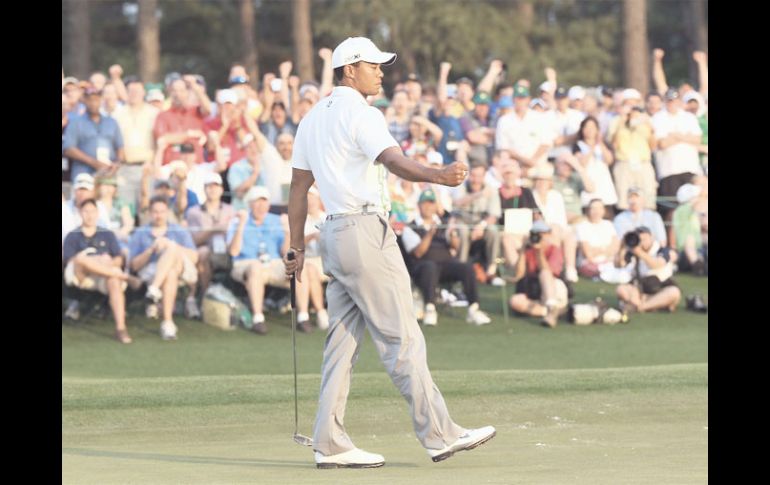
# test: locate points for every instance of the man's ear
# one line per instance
(349, 71)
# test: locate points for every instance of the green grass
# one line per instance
(597, 404)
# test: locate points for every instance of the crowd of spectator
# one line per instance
(164, 187)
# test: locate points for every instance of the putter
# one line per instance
(300, 439)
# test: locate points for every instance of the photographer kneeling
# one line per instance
(539, 291)
(652, 287)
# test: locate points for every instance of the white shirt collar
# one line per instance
(348, 92)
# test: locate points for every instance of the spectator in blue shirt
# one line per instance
(636, 216)
(93, 142)
(94, 262)
(164, 256)
(257, 240)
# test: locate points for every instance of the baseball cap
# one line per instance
(692, 96)
(482, 97)
(520, 91)
(642, 229)
(687, 192)
(155, 95)
(70, 80)
(212, 178)
(256, 192)
(576, 92)
(505, 102)
(561, 92)
(465, 80)
(427, 196)
(544, 172)
(227, 96)
(545, 86)
(238, 80)
(635, 191)
(538, 102)
(162, 183)
(354, 49)
(540, 226)
(84, 181)
(631, 93)
(672, 94)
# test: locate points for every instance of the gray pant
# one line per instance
(491, 242)
(371, 289)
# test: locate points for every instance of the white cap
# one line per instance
(155, 95)
(84, 181)
(543, 171)
(435, 157)
(546, 86)
(256, 192)
(227, 96)
(354, 49)
(576, 92)
(212, 178)
(538, 102)
(687, 192)
(631, 93)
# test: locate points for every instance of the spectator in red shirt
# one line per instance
(230, 125)
(183, 121)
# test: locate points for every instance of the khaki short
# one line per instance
(93, 282)
(189, 272)
(273, 272)
(319, 265)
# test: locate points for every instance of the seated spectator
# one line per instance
(653, 270)
(257, 240)
(430, 261)
(637, 216)
(173, 188)
(94, 262)
(571, 180)
(597, 241)
(632, 137)
(478, 209)
(163, 255)
(479, 130)
(690, 223)
(118, 214)
(93, 142)
(315, 217)
(539, 291)
(513, 196)
(83, 189)
(494, 176)
(208, 225)
(596, 158)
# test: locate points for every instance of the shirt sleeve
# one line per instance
(231, 230)
(70, 247)
(372, 134)
(410, 239)
(135, 244)
(118, 136)
(112, 244)
(185, 238)
(298, 156)
(71, 134)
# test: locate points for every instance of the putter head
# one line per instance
(303, 440)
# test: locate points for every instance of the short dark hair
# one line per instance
(339, 72)
(90, 200)
(132, 80)
(158, 198)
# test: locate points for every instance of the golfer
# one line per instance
(343, 145)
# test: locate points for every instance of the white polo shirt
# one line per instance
(680, 157)
(339, 140)
(523, 135)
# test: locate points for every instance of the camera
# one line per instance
(535, 237)
(631, 239)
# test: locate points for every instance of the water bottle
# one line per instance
(263, 255)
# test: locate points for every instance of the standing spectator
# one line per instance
(66, 179)
(136, 120)
(695, 104)
(576, 95)
(637, 216)
(632, 137)
(156, 99)
(654, 103)
(110, 100)
(564, 123)
(478, 129)
(570, 180)
(522, 132)
(246, 173)
(230, 125)
(183, 121)
(208, 225)
(513, 196)
(478, 208)
(94, 262)
(539, 291)
(430, 261)
(93, 142)
(678, 135)
(256, 240)
(597, 240)
(690, 223)
(399, 116)
(596, 158)
(73, 90)
(98, 80)
(164, 256)
(423, 137)
(275, 120)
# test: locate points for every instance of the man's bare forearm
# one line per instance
(301, 181)
(407, 168)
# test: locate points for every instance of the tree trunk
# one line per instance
(525, 10)
(636, 68)
(700, 26)
(148, 41)
(248, 43)
(303, 38)
(79, 39)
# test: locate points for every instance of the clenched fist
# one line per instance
(453, 174)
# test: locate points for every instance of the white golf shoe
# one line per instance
(468, 441)
(355, 458)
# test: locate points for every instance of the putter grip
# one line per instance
(290, 256)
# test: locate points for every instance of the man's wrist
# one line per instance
(297, 249)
